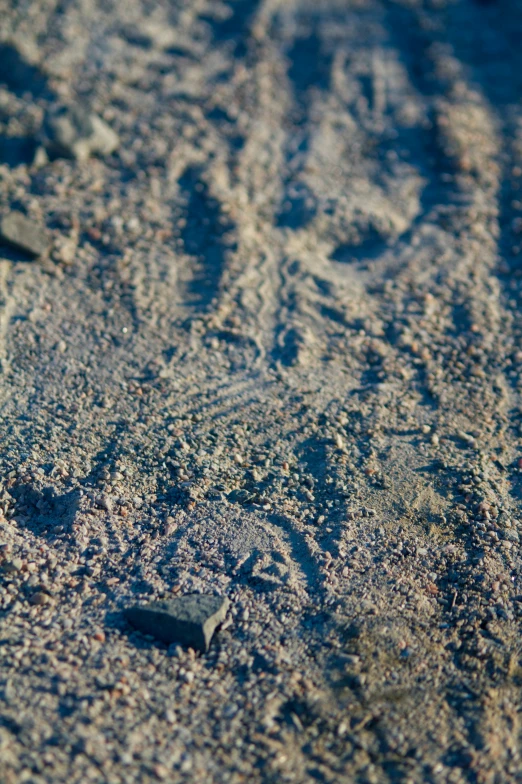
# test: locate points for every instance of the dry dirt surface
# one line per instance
(274, 353)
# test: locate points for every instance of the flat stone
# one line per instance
(22, 233)
(74, 132)
(190, 620)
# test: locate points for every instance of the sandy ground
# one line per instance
(274, 354)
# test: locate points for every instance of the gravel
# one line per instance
(273, 356)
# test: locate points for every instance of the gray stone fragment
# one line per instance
(511, 536)
(22, 233)
(190, 620)
(73, 132)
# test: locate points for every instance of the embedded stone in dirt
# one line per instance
(189, 620)
(22, 233)
(73, 132)
(40, 598)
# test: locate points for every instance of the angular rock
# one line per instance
(73, 132)
(510, 536)
(22, 233)
(190, 620)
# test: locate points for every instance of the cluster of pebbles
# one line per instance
(69, 132)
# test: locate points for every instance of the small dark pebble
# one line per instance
(39, 598)
(22, 233)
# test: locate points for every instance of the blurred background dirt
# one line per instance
(274, 353)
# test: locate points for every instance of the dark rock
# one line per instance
(189, 620)
(19, 75)
(17, 150)
(22, 233)
(73, 132)
(40, 598)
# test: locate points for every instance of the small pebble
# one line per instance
(74, 132)
(40, 598)
(22, 233)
